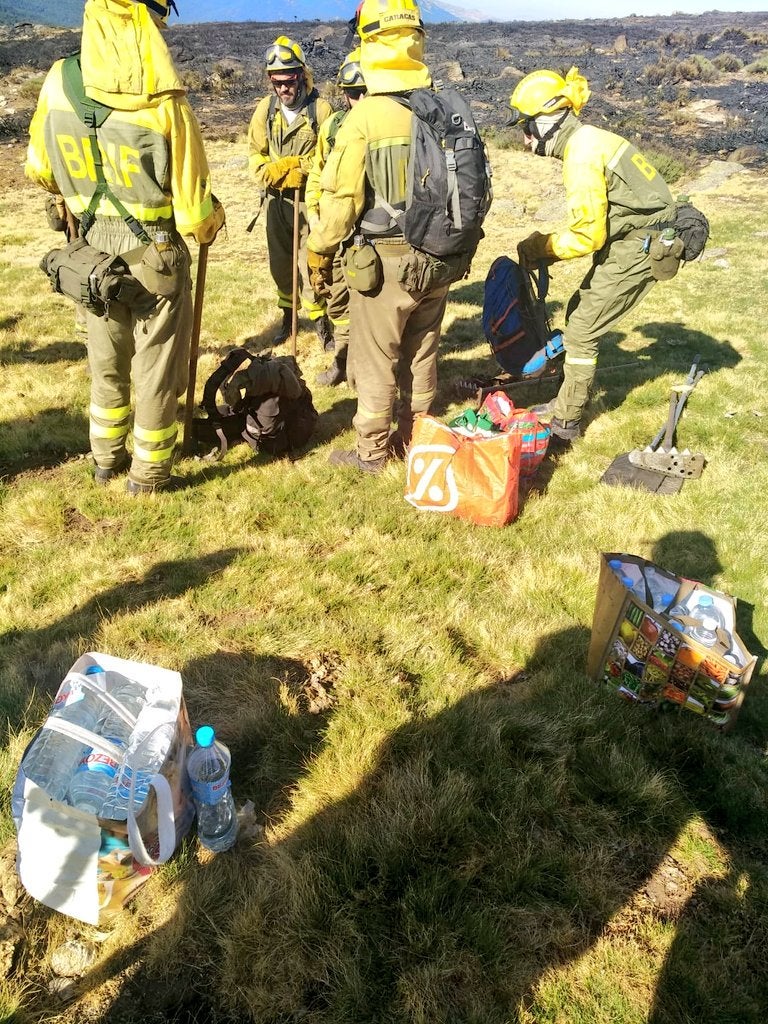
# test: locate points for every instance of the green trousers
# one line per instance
(619, 278)
(153, 352)
(393, 354)
(279, 228)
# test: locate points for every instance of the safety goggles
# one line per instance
(517, 119)
(350, 75)
(278, 53)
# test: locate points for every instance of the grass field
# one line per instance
(465, 829)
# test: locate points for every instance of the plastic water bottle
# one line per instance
(705, 631)
(208, 768)
(52, 759)
(705, 608)
(631, 576)
(661, 588)
(97, 772)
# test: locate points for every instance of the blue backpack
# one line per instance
(515, 319)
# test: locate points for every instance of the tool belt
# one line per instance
(95, 279)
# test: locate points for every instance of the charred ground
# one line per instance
(688, 85)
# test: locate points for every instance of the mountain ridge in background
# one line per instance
(69, 13)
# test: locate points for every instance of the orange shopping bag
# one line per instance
(473, 477)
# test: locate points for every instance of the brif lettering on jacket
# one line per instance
(120, 162)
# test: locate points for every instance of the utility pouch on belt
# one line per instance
(94, 279)
(53, 213)
(418, 271)
(361, 266)
(665, 254)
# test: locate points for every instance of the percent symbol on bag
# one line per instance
(426, 464)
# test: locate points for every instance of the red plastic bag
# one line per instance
(471, 477)
(534, 434)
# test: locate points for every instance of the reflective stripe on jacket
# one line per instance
(153, 159)
(611, 189)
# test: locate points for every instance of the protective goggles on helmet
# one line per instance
(351, 76)
(517, 119)
(280, 55)
(160, 7)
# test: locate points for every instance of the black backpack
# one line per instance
(449, 177)
(268, 405)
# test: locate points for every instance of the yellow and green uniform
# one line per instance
(337, 303)
(154, 163)
(393, 362)
(614, 197)
(269, 142)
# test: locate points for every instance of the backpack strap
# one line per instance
(93, 115)
(227, 367)
(310, 112)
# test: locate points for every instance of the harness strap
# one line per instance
(93, 115)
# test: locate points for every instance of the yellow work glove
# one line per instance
(320, 267)
(293, 179)
(273, 174)
(533, 249)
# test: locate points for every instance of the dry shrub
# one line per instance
(728, 62)
(759, 66)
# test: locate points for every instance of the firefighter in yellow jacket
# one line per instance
(393, 357)
(282, 137)
(137, 182)
(618, 207)
(350, 81)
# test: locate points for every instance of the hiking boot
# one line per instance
(565, 430)
(103, 474)
(353, 461)
(324, 331)
(335, 374)
(173, 483)
(285, 328)
(544, 412)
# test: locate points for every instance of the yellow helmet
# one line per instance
(350, 74)
(284, 55)
(545, 92)
(375, 16)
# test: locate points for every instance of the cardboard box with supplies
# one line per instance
(662, 640)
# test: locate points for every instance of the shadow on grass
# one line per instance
(42, 441)
(40, 658)
(489, 844)
(56, 352)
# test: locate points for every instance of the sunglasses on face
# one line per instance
(281, 83)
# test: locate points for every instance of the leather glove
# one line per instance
(320, 267)
(273, 174)
(535, 248)
(293, 179)
(206, 232)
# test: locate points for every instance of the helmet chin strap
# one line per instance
(543, 138)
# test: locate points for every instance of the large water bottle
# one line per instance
(52, 759)
(631, 576)
(705, 608)
(662, 589)
(96, 775)
(208, 769)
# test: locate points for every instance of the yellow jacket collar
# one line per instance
(125, 60)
